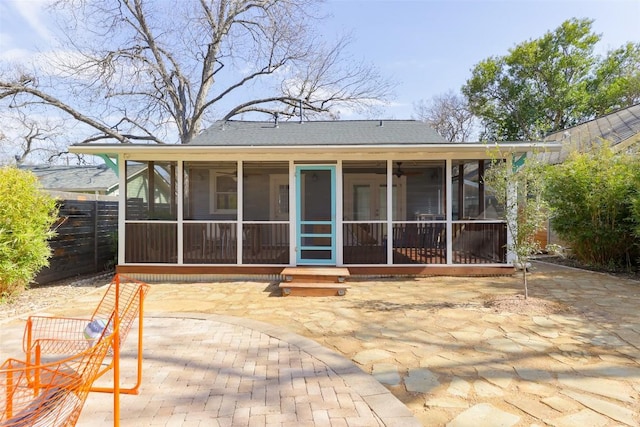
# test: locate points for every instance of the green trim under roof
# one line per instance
(110, 163)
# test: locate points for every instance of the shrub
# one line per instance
(591, 196)
(26, 216)
(635, 206)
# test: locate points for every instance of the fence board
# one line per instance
(85, 241)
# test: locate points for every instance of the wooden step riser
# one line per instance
(316, 271)
(312, 292)
(314, 279)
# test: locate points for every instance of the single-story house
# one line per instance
(377, 196)
(87, 179)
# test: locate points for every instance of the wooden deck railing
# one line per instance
(364, 243)
(266, 243)
(419, 243)
(479, 242)
(216, 243)
(208, 242)
(151, 242)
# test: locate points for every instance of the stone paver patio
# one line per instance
(430, 341)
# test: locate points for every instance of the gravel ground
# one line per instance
(38, 298)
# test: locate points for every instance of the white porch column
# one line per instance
(180, 216)
(512, 205)
(240, 210)
(449, 209)
(339, 215)
(389, 211)
(122, 207)
(293, 214)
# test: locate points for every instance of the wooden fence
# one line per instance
(86, 237)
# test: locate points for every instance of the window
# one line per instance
(225, 192)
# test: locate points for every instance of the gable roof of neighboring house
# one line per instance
(621, 129)
(336, 132)
(85, 179)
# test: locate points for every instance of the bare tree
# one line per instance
(139, 70)
(449, 115)
(25, 136)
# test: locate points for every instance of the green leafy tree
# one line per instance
(592, 195)
(552, 83)
(617, 80)
(520, 190)
(26, 216)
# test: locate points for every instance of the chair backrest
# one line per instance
(64, 335)
(132, 293)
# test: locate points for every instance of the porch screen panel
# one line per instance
(210, 213)
(210, 191)
(265, 226)
(472, 200)
(364, 212)
(151, 190)
(418, 234)
(422, 191)
(479, 230)
(265, 191)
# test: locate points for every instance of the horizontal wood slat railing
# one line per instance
(151, 242)
(479, 242)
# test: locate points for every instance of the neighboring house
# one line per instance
(99, 180)
(378, 197)
(620, 129)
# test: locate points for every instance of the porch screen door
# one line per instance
(316, 215)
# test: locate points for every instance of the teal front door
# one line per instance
(316, 215)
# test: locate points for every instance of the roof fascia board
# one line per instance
(184, 152)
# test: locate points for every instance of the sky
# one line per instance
(431, 46)
(427, 47)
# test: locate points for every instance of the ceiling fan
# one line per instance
(400, 173)
(234, 174)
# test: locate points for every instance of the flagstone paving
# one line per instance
(434, 344)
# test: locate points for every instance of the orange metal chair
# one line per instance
(50, 394)
(66, 335)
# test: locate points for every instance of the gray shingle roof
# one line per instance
(339, 132)
(74, 178)
(615, 128)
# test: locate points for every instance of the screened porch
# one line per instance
(239, 213)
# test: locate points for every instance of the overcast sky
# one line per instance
(427, 46)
